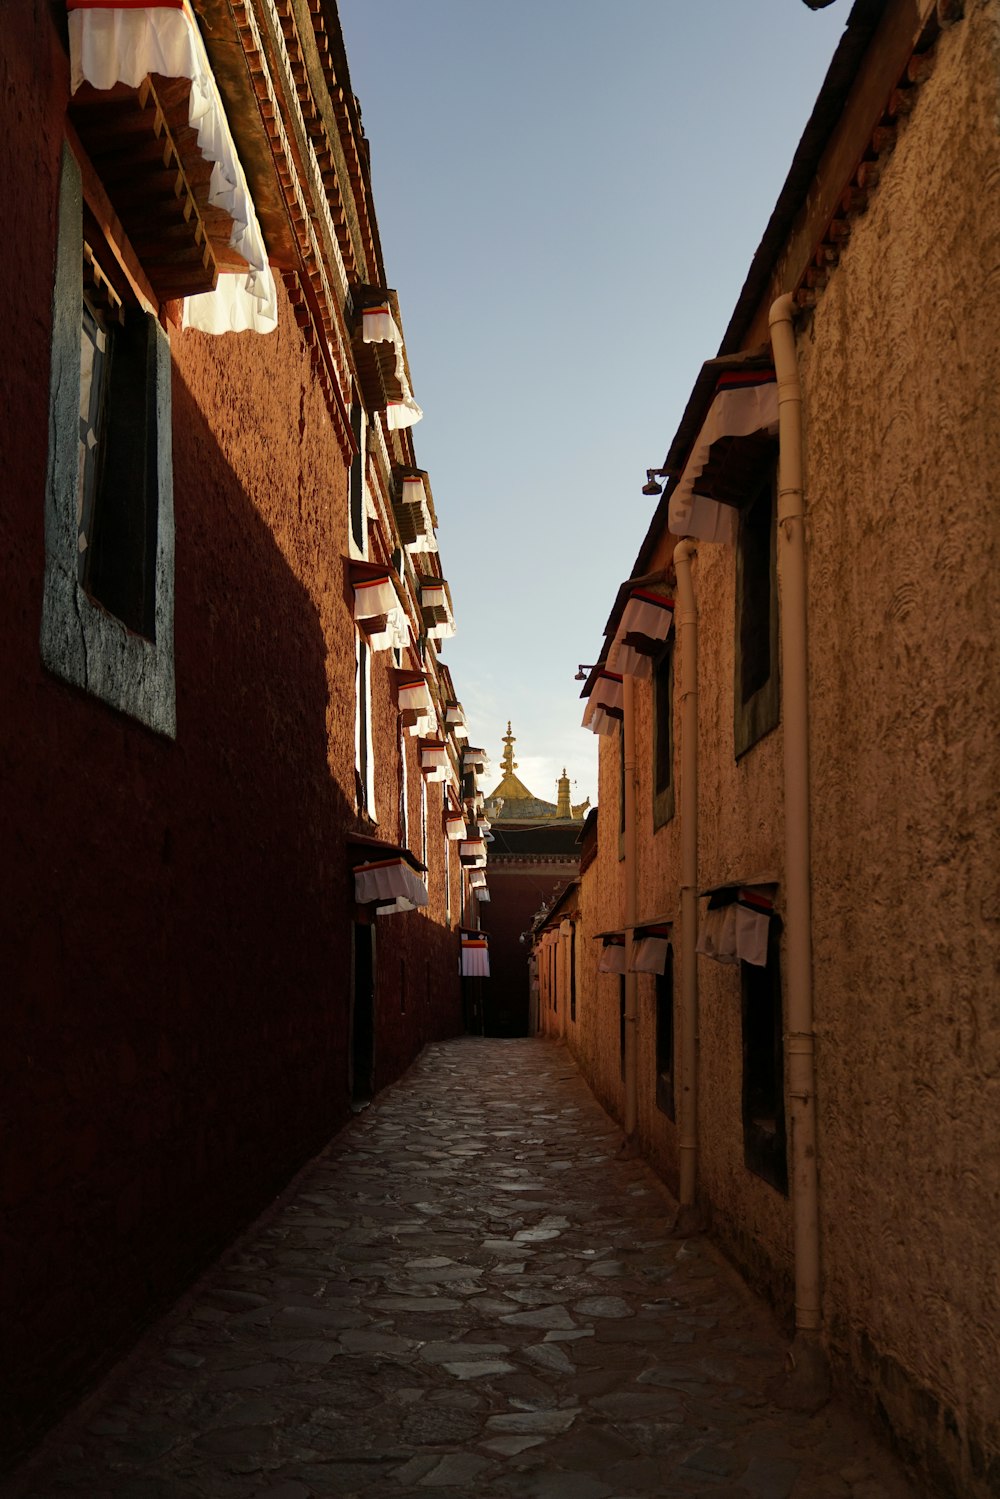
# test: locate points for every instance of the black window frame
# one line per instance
(663, 737)
(756, 676)
(665, 1048)
(127, 663)
(765, 1140)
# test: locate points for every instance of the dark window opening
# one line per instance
(572, 973)
(358, 479)
(621, 792)
(363, 1018)
(764, 1140)
(117, 498)
(665, 1037)
(621, 1022)
(756, 695)
(663, 739)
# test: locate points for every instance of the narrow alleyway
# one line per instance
(465, 1292)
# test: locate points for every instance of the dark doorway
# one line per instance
(363, 1018)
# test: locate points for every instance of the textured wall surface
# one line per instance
(902, 490)
(177, 914)
(900, 365)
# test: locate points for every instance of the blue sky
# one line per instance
(569, 194)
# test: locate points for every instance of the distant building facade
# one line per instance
(533, 854)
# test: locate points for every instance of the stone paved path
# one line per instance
(466, 1294)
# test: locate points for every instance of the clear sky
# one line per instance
(569, 194)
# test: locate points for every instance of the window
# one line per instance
(108, 608)
(663, 738)
(359, 530)
(404, 792)
(572, 972)
(756, 691)
(621, 791)
(664, 1038)
(364, 767)
(764, 1144)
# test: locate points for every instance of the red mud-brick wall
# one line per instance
(175, 914)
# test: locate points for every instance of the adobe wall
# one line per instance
(177, 963)
(904, 596)
(594, 1038)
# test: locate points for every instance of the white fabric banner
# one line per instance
(612, 959)
(649, 954)
(717, 936)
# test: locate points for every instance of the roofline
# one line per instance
(826, 112)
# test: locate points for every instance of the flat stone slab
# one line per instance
(534, 1423)
(545, 1316)
(603, 1306)
(480, 1370)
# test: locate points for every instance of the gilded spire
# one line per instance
(564, 807)
(508, 762)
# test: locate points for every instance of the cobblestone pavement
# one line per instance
(466, 1292)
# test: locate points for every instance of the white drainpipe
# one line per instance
(809, 1383)
(631, 1074)
(686, 618)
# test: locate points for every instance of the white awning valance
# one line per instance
(477, 878)
(612, 958)
(650, 945)
(481, 892)
(378, 326)
(375, 595)
(454, 717)
(644, 626)
(472, 851)
(434, 761)
(736, 926)
(744, 403)
(122, 43)
(475, 955)
(454, 826)
(604, 710)
(413, 694)
(389, 880)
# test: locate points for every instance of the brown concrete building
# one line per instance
(228, 740)
(786, 948)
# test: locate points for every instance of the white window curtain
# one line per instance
(736, 926)
(389, 880)
(364, 756)
(120, 44)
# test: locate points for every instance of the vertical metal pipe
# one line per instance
(795, 726)
(631, 875)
